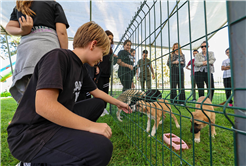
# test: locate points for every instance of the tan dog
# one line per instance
(155, 111)
(127, 97)
(198, 114)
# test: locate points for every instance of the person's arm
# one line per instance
(183, 61)
(137, 74)
(225, 68)
(22, 29)
(62, 35)
(97, 70)
(152, 71)
(48, 107)
(212, 58)
(104, 96)
(172, 62)
(187, 66)
(123, 64)
(196, 61)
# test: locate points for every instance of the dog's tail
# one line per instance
(220, 104)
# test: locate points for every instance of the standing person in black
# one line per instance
(176, 60)
(202, 72)
(104, 69)
(42, 27)
(91, 72)
(125, 61)
(50, 126)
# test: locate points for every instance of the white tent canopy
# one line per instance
(116, 16)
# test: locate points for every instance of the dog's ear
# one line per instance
(195, 116)
(205, 119)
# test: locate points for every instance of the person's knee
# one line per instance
(103, 152)
(107, 152)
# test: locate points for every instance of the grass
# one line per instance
(8, 107)
(129, 138)
(5, 94)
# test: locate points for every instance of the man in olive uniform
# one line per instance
(145, 67)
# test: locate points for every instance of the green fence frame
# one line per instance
(234, 118)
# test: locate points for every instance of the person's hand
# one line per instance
(176, 62)
(131, 67)
(204, 63)
(124, 107)
(182, 62)
(132, 86)
(153, 76)
(26, 24)
(102, 129)
(97, 70)
(137, 78)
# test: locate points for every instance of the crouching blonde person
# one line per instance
(50, 127)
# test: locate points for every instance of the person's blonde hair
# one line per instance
(173, 51)
(87, 33)
(24, 7)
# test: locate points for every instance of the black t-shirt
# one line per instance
(125, 57)
(105, 65)
(58, 69)
(48, 13)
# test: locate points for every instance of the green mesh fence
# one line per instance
(156, 27)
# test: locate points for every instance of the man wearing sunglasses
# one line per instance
(201, 70)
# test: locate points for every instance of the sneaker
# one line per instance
(182, 104)
(19, 164)
(105, 112)
(230, 105)
(23, 164)
(193, 100)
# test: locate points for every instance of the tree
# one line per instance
(13, 43)
(160, 67)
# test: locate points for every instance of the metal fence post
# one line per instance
(237, 30)
(6, 37)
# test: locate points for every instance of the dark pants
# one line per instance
(17, 91)
(126, 81)
(76, 147)
(202, 77)
(103, 84)
(193, 88)
(227, 84)
(175, 82)
(144, 79)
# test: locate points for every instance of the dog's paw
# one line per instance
(197, 140)
(119, 118)
(160, 122)
(178, 126)
(213, 135)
